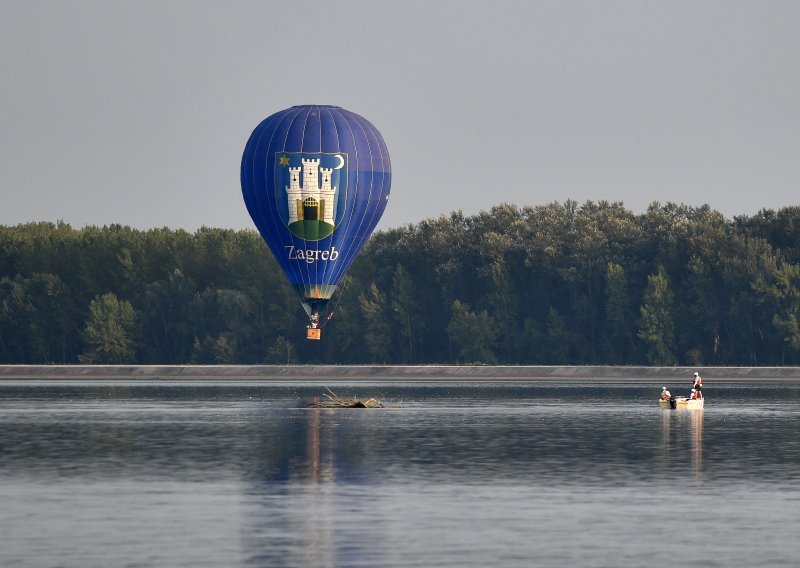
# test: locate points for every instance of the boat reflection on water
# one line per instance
(696, 443)
(682, 433)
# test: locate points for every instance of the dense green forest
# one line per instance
(550, 284)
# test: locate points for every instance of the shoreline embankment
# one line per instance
(378, 373)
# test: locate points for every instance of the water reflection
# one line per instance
(317, 527)
(688, 437)
(696, 429)
(294, 518)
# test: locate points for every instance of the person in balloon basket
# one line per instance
(314, 321)
(697, 387)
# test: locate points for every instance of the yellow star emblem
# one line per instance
(284, 161)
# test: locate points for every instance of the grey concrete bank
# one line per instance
(375, 373)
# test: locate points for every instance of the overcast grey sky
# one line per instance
(138, 112)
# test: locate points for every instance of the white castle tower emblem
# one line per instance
(310, 199)
(311, 192)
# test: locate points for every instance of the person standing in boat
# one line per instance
(697, 386)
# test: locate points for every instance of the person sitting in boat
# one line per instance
(697, 387)
(665, 394)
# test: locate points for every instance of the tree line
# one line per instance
(561, 283)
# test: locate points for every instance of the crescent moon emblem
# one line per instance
(341, 162)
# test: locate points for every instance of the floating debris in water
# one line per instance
(332, 400)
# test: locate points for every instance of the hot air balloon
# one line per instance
(315, 180)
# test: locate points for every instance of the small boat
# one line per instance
(689, 403)
(682, 402)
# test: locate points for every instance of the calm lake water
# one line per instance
(458, 474)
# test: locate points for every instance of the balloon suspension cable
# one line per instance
(330, 313)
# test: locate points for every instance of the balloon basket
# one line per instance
(313, 333)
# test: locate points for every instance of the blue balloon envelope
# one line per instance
(315, 180)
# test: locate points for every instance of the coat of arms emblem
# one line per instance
(315, 188)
